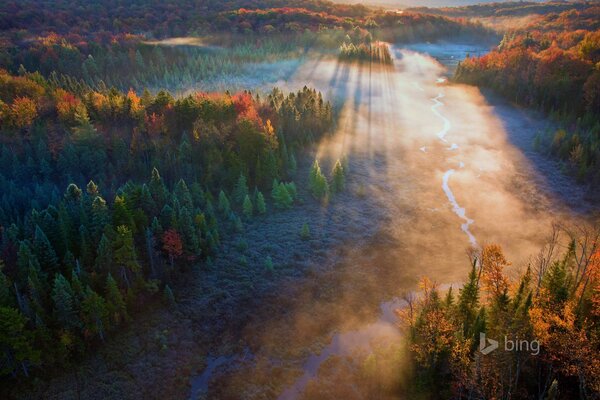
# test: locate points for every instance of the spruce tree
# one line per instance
(305, 232)
(338, 183)
(115, 305)
(94, 313)
(104, 258)
(44, 252)
(64, 303)
(261, 206)
(241, 190)
(317, 182)
(247, 207)
(224, 206)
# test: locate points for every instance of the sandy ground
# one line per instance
(433, 169)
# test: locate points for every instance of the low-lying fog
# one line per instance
(444, 168)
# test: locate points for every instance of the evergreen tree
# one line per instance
(282, 197)
(104, 258)
(64, 303)
(124, 255)
(115, 305)
(305, 232)
(241, 190)
(121, 214)
(16, 343)
(157, 189)
(44, 252)
(338, 183)
(224, 206)
(94, 313)
(317, 182)
(247, 207)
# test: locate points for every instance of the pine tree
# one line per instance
(16, 343)
(305, 232)
(183, 195)
(338, 183)
(468, 301)
(261, 206)
(115, 305)
(282, 197)
(73, 193)
(157, 189)
(44, 252)
(125, 256)
(100, 216)
(104, 258)
(92, 189)
(121, 214)
(247, 207)
(64, 303)
(94, 313)
(241, 190)
(317, 182)
(224, 206)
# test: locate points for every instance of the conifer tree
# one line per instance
(241, 190)
(44, 252)
(104, 258)
(224, 206)
(282, 197)
(305, 232)
(247, 207)
(94, 313)
(16, 342)
(338, 182)
(64, 303)
(261, 206)
(317, 182)
(125, 256)
(115, 305)
(121, 214)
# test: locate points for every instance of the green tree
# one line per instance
(305, 232)
(104, 257)
(16, 343)
(94, 313)
(224, 206)
(338, 182)
(115, 305)
(282, 197)
(65, 308)
(124, 255)
(261, 206)
(317, 182)
(44, 251)
(247, 207)
(241, 190)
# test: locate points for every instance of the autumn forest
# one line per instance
(299, 199)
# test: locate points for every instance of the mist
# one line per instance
(434, 170)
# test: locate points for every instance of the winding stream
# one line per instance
(389, 130)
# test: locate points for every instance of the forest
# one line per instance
(552, 65)
(551, 309)
(79, 257)
(234, 183)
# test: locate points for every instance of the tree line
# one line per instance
(107, 195)
(545, 321)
